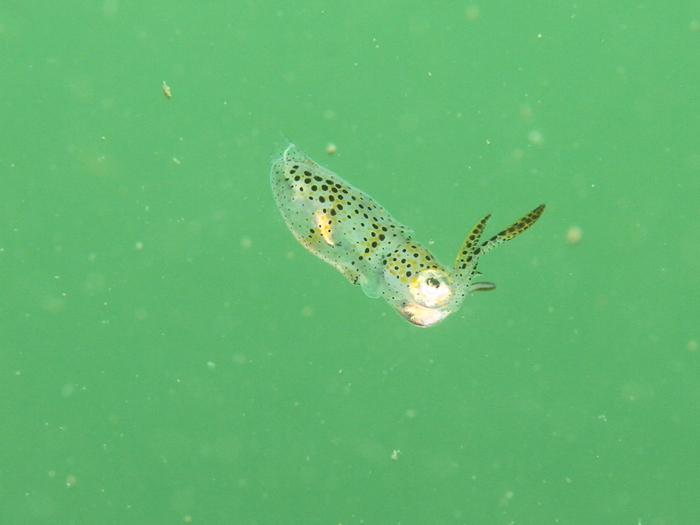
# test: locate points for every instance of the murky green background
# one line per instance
(170, 354)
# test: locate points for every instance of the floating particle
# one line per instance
(574, 235)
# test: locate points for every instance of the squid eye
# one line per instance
(432, 281)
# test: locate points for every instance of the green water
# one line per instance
(170, 354)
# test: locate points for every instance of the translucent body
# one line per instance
(350, 230)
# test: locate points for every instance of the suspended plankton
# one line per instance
(166, 90)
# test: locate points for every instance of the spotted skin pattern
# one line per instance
(350, 230)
